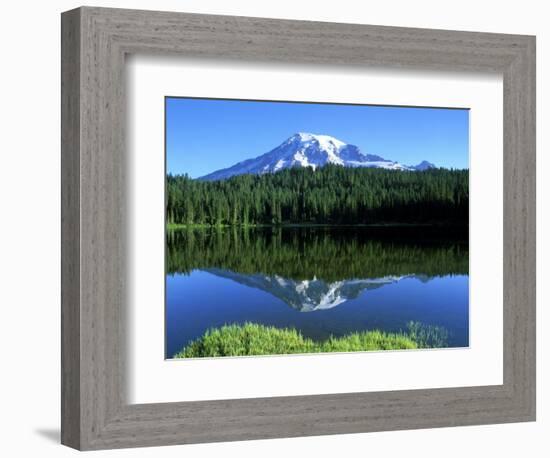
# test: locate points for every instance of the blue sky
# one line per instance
(205, 135)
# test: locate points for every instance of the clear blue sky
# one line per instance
(206, 135)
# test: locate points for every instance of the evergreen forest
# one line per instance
(331, 195)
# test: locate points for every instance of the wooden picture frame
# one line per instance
(95, 413)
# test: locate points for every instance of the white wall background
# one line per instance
(30, 228)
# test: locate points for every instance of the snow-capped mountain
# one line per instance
(311, 150)
(307, 295)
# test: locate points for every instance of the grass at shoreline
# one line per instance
(253, 339)
(177, 226)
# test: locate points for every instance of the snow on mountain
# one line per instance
(311, 150)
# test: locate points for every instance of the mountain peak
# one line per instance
(306, 149)
(323, 140)
(424, 165)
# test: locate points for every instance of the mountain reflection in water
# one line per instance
(307, 295)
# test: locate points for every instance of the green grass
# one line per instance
(179, 226)
(427, 336)
(170, 227)
(255, 339)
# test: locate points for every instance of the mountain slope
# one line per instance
(310, 150)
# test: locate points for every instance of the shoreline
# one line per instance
(254, 339)
(172, 226)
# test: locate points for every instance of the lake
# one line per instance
(321, 281)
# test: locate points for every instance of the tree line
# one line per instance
(329, 195)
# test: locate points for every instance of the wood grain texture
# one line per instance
(70, 229)
(95, 413)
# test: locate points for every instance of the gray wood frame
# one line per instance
(95, 414)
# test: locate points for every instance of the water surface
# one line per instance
(322, 281)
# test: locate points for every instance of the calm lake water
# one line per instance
(321, 281)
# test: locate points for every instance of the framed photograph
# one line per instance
(314, 246)
(277, 228)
